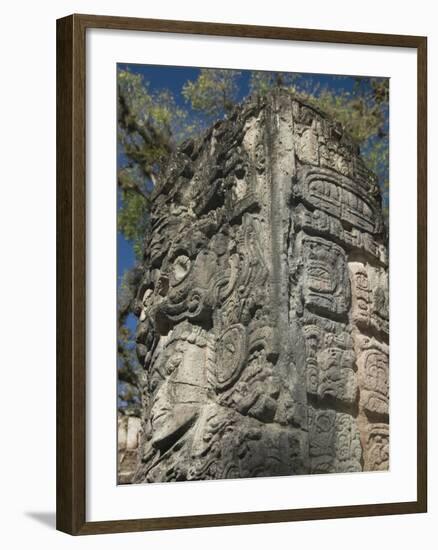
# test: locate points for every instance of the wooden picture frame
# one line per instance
(71, 273)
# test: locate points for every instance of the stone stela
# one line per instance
(263, 308)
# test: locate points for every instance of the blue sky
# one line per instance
(172, 78)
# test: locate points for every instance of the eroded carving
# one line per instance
(325, 283)
(376, 453)
(370, 308)
(334, 442)
(373, 364)
(341, 197)
(263, 308)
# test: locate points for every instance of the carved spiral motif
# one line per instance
(230, 355)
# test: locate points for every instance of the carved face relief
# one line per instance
(179, 389)
(189, 283)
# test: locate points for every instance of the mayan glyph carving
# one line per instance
(263, 319)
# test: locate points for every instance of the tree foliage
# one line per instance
(214, 92)
(150, 123)
(261, 82)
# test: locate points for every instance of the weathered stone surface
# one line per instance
(263, 309)
(128, 439)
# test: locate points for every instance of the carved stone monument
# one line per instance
(263, 308)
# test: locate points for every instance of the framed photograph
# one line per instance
(241, 274)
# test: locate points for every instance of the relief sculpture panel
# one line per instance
(262, 310)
